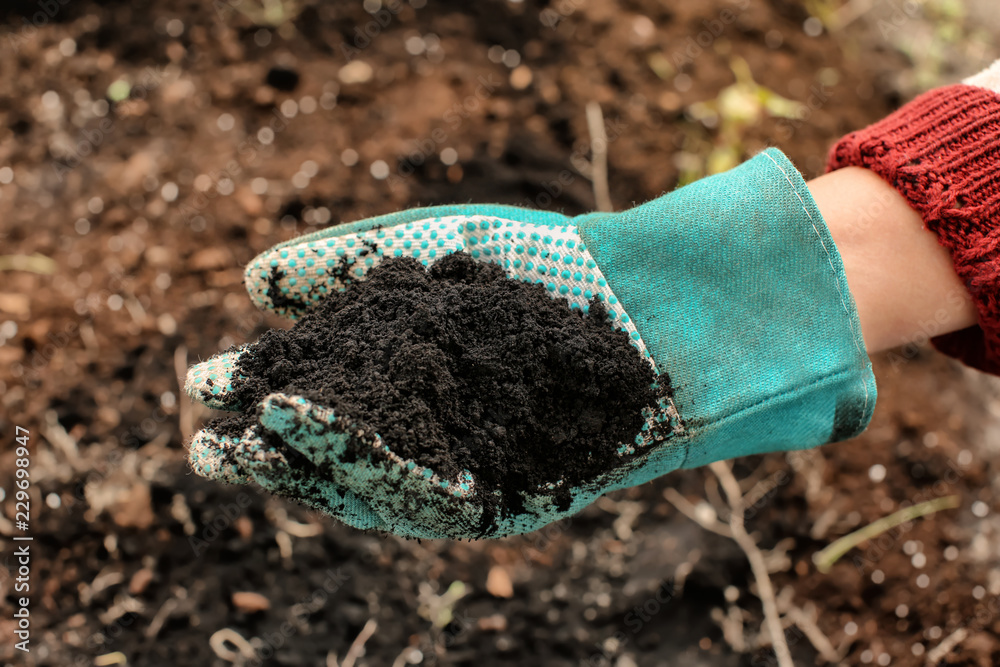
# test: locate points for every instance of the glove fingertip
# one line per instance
(211, 455)
(287, 281)
(211, 382)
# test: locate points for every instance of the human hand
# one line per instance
(730, 286)
(916, 221)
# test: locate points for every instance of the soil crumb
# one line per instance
(458, 368)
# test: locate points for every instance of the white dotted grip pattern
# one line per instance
(551, 255)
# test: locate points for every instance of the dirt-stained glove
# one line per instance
(732, 286)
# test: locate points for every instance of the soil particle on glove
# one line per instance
(459, 368)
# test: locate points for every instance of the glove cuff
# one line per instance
(738, 291)
(940, 151)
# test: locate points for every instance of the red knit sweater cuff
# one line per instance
(942, 152)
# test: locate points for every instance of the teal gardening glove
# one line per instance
(731, 285)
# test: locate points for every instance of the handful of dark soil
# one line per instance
(458, 367)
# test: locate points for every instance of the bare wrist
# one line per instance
(902, 279)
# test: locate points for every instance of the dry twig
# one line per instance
(164, 612)
(947, 645)
(56, 434)
(685, 507)
(219, 642)
(810, 464)
(357, 646)
(403, 657)
(599, 156)
(817, 638)
(776, 558)
(765, 589)
(186, 420)
(823, 524)
(279, 516)
(731, 622)
(756, 485)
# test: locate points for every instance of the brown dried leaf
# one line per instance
(140, 580)
(494, 623)
(498, 583)
(15, 304)
(210, 259)
(250, 602)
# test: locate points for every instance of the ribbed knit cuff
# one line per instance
(942, 153)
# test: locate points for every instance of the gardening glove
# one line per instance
(730, 287)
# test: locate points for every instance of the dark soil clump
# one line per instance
(459, 368)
